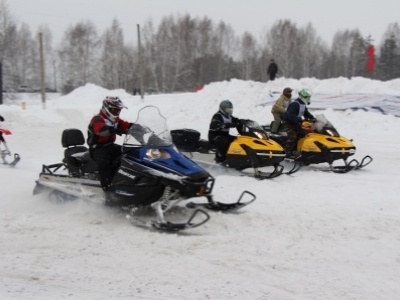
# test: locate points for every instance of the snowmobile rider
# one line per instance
(279, 108)
(293, 118)
(218, 133)
(102, 132)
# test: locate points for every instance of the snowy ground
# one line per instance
(312, 235)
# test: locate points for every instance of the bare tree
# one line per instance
(341, 48)
(225, 49)
(282, 43)
(310, 51)
(49, 54)
(249, 56)
(78, 55)
(152, 57)
(203, 63)
(113, 58)
(8, 41)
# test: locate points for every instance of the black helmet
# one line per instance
(112, 107)
(226, 107)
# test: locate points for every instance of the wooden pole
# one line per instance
(140, 64)
(42, 83)
(55, 75)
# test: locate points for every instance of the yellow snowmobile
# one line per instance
(323, 144)
(251, 149)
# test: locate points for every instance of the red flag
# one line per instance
(371, 58)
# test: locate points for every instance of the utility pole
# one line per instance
(42, 84)
(140, 64)
(55, 75)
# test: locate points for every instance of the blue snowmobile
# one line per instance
(153, 178)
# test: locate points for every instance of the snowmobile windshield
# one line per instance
(254, 127)
(149, 129)
(324, 126)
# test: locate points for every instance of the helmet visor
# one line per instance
(114, 111)
(229, 110)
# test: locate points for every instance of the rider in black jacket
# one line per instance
(218, 133)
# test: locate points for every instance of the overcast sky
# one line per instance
(371, 17)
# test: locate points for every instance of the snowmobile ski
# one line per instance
(17, 158)
(364, 162)
(224, 207)
(168, 226)
(292, 164)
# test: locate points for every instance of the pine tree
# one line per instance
(389, 60)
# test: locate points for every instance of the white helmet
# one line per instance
(305, 95)
(112, 107)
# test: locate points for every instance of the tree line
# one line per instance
(182, 52)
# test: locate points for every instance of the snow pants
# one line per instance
(222, 142)
(294, 133)
(277, 122)
(108, 161)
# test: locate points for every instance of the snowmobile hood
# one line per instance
(165, 159)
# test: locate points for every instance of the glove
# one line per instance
(1, 119)
(230, 125)
(118, 131)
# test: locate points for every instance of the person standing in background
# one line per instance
(272, 70)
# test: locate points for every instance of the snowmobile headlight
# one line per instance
(260, 135)
(328, 131)
(157, 154)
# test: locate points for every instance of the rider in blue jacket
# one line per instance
(293, 118)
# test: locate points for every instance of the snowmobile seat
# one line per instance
(76, 155)
(204, 146)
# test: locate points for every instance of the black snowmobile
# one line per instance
(252, 149)
(152, 178)
(322, 143)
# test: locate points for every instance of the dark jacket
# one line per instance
(295, 112)
(220, 125)
(102, 131)
(272, 68)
